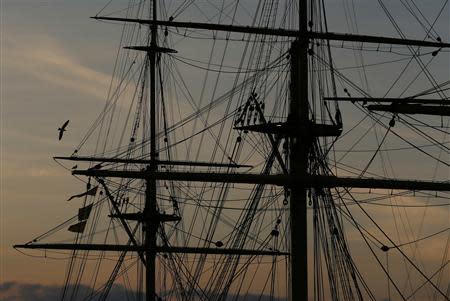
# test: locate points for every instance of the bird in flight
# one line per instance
(62, 129)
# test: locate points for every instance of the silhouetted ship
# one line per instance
(221, 166)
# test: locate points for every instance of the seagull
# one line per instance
(62, 129)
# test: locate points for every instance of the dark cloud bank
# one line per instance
(16, 291)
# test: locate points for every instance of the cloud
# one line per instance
(16, 291)
(48, 61)
(12, 291)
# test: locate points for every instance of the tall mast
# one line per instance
(150, 223)
(298, 155)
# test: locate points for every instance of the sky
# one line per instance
(51, 71)
(56, 64)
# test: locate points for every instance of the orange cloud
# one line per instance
(48, 61)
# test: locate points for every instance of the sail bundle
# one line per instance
(92, 191)
(84, 212)
(83, 215)
(78, 227)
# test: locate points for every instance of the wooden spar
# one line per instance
(424, 101)
(316, 181)
(283, 32)
(292, 130)
(158, 249)
(399, 108)
(158, 162)
(151, 49)
(402, 105)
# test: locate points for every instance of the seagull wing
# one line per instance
(65, 124)
(61, 132)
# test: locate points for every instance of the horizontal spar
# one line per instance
(331, 181)
(148, 161)
(316, 181)
(283, 32)
(442, 102)
(161, 249)
(412, 109)
(241, 178)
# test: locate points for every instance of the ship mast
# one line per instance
(150, 224)
(298, 165)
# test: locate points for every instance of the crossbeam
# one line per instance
(151, 48)
(316, 181)
(159, 249)
(287, 129)
(424, 101)
(158, 162)
(282, 32)
(412, 109)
